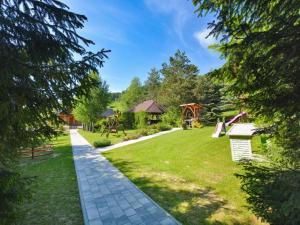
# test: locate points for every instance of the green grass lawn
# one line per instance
(189, 174)
(55, 194)
(115, 138)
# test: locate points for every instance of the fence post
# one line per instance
(32, 153)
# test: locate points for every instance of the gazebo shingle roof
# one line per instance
(108, 113)
(148, 106)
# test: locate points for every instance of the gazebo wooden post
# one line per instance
(182, 115)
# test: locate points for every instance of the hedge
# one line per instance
(102, 143)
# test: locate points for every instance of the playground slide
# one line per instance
(235, 118)
(218, 130)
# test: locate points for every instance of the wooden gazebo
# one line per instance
(190, 112)
(153, 109)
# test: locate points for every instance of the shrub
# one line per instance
(164, 127)
(102, 143)
(127, 118)
(131, 137)
(143, 132)
(140, 119)
(153, 126)
(172, 117)
(160, 127)
(184, 126)
(196, 124)
(100, 124)
(152, 131)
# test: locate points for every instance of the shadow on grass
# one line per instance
(54, 190)
(187, 202)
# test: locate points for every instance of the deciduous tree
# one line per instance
(89, 108)
(134, 94)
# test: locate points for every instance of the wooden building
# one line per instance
(69, 119)
(152, 108)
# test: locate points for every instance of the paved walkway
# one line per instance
(107, 196)
(124, 143)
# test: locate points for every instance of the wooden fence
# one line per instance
(37, 152)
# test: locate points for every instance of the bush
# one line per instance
(100, 124)
(140, 119)
(152, 131)
(184, 126)
(127, 118)
(160, 127)
(196, 124)
(143, 132)
(164, 127)
(131, 137)
(172, 117)
(102, 143)
(153, 126)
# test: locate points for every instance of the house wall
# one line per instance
(69, 119)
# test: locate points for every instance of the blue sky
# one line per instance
(143, 34)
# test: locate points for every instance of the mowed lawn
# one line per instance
(55, 194)
(115, 138)
(189, 174)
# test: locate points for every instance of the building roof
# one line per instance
(148, 106)
(194, 105)
(108, 113)
(242, 129)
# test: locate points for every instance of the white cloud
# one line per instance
(202, 38)
(180, 10)
(105, 20)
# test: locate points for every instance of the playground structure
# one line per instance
(113, 125)
(190, 112)
(236, 118)
(221, 126)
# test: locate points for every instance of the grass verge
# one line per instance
(114, 138)
(55, 193)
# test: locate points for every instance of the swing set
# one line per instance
(113, 125)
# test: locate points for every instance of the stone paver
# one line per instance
(107, 196)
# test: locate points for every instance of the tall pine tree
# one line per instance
(179, 76)
(207, 92)
(261, 43)
(39, 76)
(152, 85)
